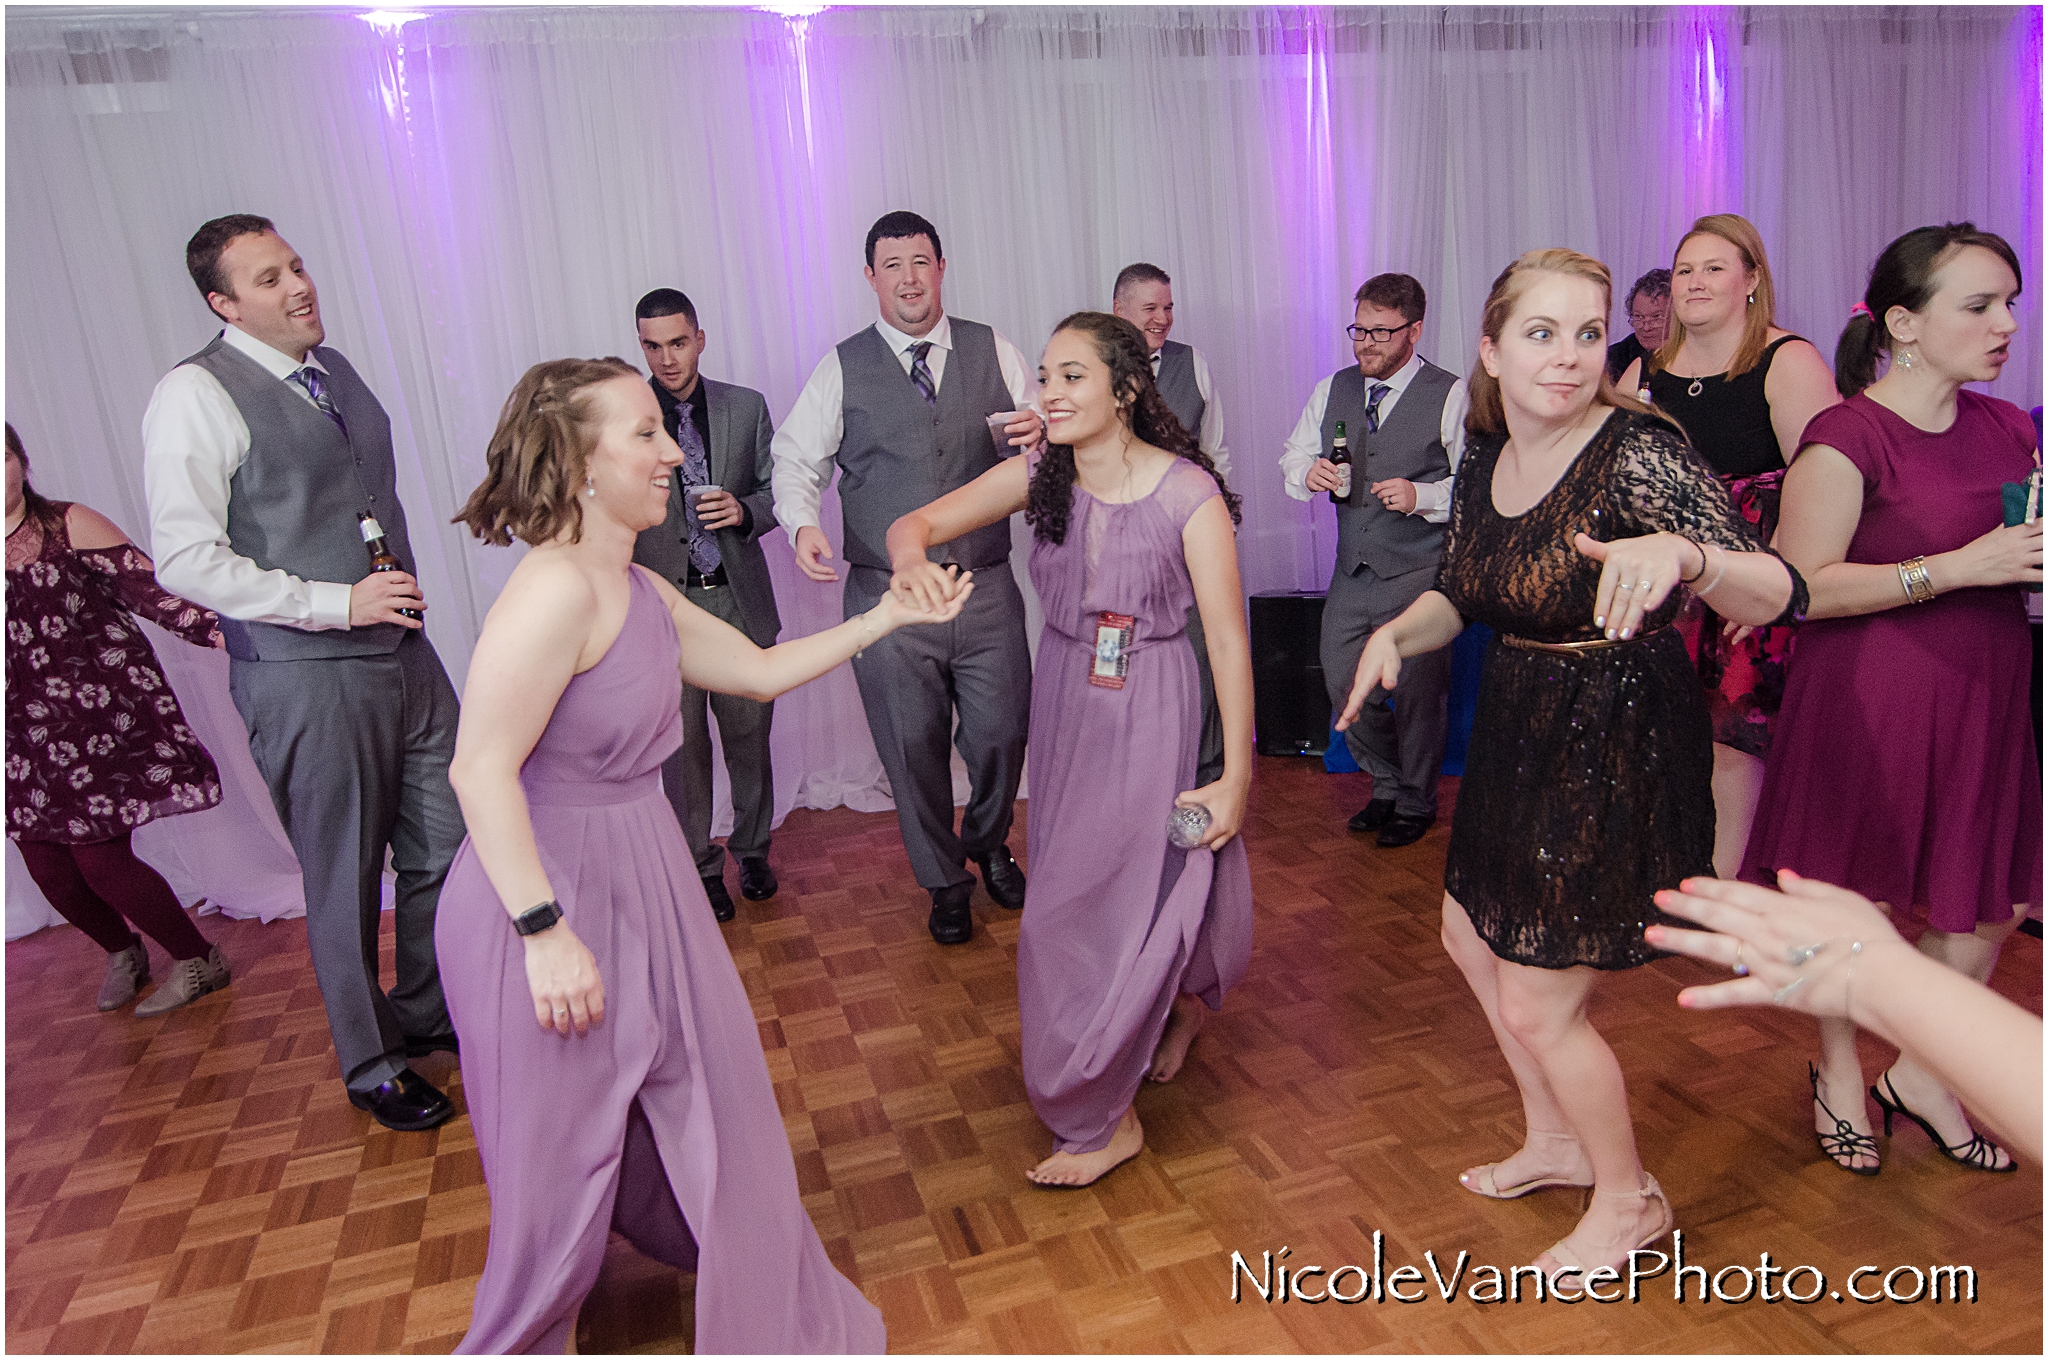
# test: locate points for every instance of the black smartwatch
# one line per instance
(534, 920)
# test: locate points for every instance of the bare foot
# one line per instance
(1544, 1159)
(1086, 1168)
(1183, 1023)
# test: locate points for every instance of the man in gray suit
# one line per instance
(716, 561)
(1143, 296)
(901, 406)
(1404, 419)
(260, 454)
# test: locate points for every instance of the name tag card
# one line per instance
(1112, 649)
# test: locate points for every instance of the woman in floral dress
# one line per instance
(96, 745)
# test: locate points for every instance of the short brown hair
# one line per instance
(1397, 293)
(536, 455)
(203, 251)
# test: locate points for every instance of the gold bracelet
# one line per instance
(1913, 576)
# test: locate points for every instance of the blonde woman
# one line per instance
(1578, 512)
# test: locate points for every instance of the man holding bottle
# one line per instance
(1405, 423)
(268, 465)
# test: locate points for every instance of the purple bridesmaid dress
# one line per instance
(660, 1121)
(1117, 921)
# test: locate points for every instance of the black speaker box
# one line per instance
(1290, 704)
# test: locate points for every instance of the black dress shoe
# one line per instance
(419, 1046)
(757, 880)
(721, 901)
(1400, 831)
(952, 922)
(408, 1103)
(1372, 816)
(1001, 876)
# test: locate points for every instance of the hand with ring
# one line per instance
(1636, 574)
(1795, 948)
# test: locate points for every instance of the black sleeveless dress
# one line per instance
(1729, 423)
(1589, 784)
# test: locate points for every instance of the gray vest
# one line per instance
(1177, 385)
(1409, 445)
(898, 454)
(293, 503)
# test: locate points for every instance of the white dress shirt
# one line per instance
(1209, 439)
(809, 437)
(1305, 445)
(193, 441)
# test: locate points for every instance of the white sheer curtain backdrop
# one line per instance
(478, 190)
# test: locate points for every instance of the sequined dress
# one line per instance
(1589, 781)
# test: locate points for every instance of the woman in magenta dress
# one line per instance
(610, 1057)
(1904, 766)
(1125, 938)
(96, 744)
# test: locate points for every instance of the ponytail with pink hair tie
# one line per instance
(1863, 309)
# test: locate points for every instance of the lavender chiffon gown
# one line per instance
(1117, 921)
(661, 1120)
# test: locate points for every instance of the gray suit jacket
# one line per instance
(740, 462)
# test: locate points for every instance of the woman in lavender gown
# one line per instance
(1125, 938)
(610, 1057)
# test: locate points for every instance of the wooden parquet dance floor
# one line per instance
(199, 1182)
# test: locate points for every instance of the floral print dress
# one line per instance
(96, 743)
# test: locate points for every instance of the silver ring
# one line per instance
(1624, 586)
(1778, 997)
(1798, 956)
(1741, 969)
(1644, 585)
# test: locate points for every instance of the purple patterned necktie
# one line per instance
(921, 374)
(307, 380)
(1372, 407)
(696, 471)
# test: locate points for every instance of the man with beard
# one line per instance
(1404, 419)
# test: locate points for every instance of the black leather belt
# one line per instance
(697, 580)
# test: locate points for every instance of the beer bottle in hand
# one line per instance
(1340, 454)
(381, 556)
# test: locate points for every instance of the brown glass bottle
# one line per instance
(381, 556)
(1340, 454)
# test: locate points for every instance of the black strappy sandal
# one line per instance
(1979, 1154)
(1844, 1142)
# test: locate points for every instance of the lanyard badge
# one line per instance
(1112, 649)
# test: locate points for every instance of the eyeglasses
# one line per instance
(1379, 335)
(1642, 319)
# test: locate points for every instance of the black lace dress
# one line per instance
(1589, 783)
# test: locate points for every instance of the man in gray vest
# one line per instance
(716, 561)
(1143, 296)
(902, 406)
(1404, 419)
(260, 454)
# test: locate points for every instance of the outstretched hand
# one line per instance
(927, 586)
(1379, 667)
(1635, 576)
(1793, 946)
(921, 606)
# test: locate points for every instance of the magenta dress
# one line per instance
(1904, 762)
(660, 1121)
(1117, 921)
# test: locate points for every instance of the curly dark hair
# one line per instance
(1122, 347)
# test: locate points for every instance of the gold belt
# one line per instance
(1595, 645)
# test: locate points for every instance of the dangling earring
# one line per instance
(1905, 359)
(1752, 299)
(589, 487)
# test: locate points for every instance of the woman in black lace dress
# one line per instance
(1589, 785)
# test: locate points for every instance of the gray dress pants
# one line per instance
(743, 726)
(910, 684)
(355, 752)
(1401, 745)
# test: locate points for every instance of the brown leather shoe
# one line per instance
(190, 979)
(127, 969)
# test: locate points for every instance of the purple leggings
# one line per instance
(94, 885)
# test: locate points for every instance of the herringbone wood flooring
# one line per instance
(200, 1183)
